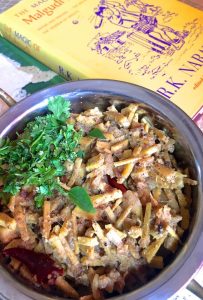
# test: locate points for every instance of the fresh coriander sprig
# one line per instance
(36, 158)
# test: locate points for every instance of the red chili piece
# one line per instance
(39, 264)
(115, 184)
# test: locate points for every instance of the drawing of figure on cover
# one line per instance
(141, 25)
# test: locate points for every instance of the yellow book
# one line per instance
(156, 44)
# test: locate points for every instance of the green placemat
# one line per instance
(24, 59)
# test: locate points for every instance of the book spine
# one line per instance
(40, 50)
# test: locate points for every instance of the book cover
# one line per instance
(156, 44)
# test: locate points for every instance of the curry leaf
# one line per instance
(80, 197)
(96, 132)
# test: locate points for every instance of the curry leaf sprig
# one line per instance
(36, 158)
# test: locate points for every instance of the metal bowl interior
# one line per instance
(189, 140)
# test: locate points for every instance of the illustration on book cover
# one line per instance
(143, 24)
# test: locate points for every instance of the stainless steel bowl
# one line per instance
(90, 93)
